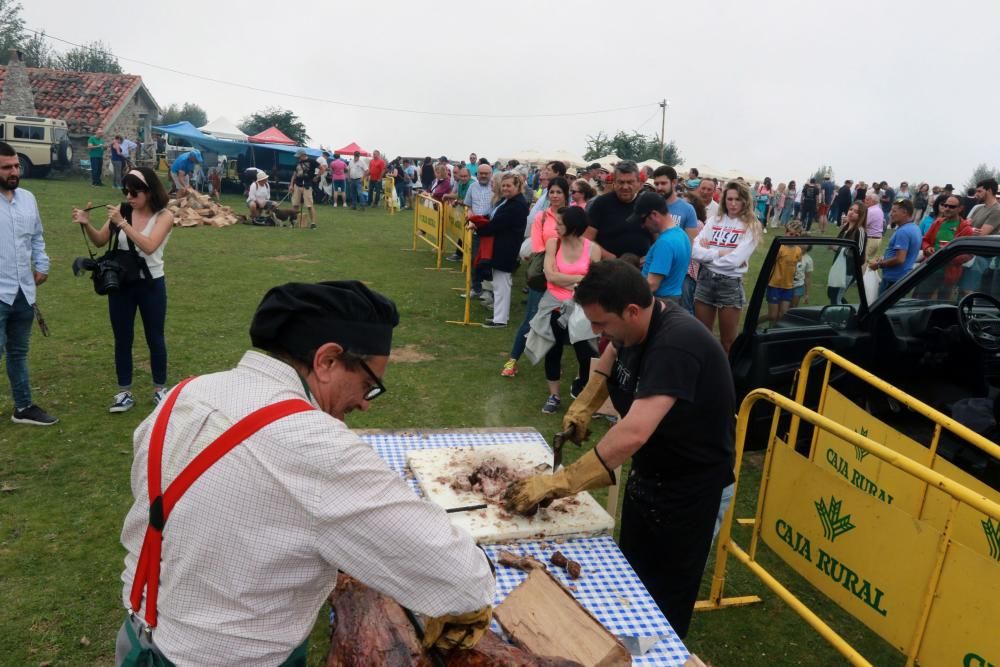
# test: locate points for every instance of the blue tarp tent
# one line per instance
(198, 139)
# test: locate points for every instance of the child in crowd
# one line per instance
(781, 284)
(803, 278)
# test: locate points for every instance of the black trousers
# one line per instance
(666, 535)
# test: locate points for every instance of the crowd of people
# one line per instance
(631, 269)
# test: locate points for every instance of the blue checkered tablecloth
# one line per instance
(608, 587)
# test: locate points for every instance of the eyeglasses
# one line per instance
(134, 193)
(378, 389)
(575, 192)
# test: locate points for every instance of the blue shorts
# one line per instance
(776, 295)
(338, 186)
(799, 291)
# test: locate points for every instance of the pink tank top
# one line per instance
(577, 268)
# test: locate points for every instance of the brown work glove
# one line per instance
(460, 631)
(583, 408)
(588, 472)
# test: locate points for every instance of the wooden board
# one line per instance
(435, 469)
(543, 617)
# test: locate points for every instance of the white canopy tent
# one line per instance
(608, 161)
(223, 128)
(652, 164)
(539, 157)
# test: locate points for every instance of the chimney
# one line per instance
(17, 97)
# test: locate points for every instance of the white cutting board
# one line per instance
(435, 468)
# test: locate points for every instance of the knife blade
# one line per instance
(465, 508)
(558, 440)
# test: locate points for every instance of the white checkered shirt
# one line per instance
(252, 549)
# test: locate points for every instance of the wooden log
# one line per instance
(544, 618)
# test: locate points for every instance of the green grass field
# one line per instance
(64, 490)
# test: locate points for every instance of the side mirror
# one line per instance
(836, 316)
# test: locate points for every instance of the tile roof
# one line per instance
(85, 100)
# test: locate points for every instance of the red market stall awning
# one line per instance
(272, 135)
(350, 148)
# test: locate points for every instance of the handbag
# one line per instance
(536, 272)
(870, 280)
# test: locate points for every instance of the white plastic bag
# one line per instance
(870, 281)
(838, 271)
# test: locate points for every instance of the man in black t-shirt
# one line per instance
(608, 216)
(670, 380)
(303, 179)
(810, 194)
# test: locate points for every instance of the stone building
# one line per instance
(88, 102)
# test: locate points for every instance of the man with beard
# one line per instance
(23, 266)
(669, 378)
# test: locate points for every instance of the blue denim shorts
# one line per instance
(778, 294)
(719, 291)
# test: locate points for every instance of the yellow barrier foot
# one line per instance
(467, 324)
(746, 522)
(725, 603)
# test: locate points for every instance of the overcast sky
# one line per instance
(889, 90)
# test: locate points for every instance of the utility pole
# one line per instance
(663, 127)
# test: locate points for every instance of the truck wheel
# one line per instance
(25, 166)
(65, 155)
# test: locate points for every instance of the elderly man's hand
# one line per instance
(461, 631)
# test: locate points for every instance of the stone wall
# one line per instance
(17, 100)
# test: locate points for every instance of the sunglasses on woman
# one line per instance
(133, 192)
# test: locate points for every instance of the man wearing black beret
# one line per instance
(251, 493)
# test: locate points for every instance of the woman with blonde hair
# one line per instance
(778, 206)
(723, 248)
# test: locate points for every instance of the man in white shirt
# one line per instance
(259, 197)
(232, 568)
(706, 190)
(356, 170)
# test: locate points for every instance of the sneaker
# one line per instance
(312, 225)
(490, 324)
(33, 415)
(551, 404)
(123, 402)
(475, 295)
(158, 396)
(509, 368)
(453, 257)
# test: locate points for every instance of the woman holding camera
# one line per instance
(141, 226)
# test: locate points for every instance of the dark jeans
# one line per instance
(15, 333)
(354, 192)
(95, 170)
(834, 216)
(666, 535)
(374, 192)
(687, 293)
(553, 358)
(808, 215)
(149, 297)
(520, 338)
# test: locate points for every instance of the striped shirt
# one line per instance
(22, 247)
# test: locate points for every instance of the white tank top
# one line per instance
(155, 261)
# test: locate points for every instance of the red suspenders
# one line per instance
(147, 573)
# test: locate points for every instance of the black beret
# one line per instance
(299, 317)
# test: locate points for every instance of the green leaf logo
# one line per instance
(992, 537)
(834, 525)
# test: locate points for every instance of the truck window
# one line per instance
(30, 132)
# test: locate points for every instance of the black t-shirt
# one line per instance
(681, 358)
(608, 214)
(304, 172)
(809, 194)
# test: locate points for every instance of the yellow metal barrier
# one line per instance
(389, 199)
(870, 474)
(467, 273)
(910, 581)
(427, 218)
